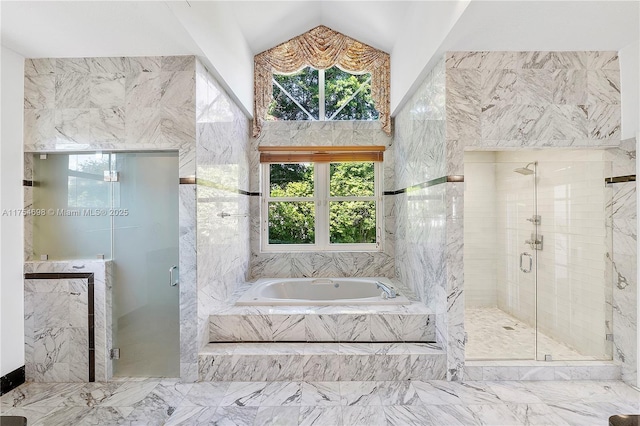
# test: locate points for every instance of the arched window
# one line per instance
(321, 75)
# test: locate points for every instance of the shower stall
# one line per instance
(121, 207)
(537, 236)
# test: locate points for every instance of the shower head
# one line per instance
(525, 170)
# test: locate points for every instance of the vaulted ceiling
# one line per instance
(226, 34)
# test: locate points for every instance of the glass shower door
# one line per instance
(537, 236)
(574, 281)
(145, 248)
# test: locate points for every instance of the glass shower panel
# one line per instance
(72, 202)
(516, 258)
(145, 305)
(574, 281)
(500, 267)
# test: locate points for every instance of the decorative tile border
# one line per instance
(427, 184)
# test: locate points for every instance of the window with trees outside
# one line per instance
(322, 95)
(315, 206)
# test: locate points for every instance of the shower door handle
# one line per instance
(522, 268)
(172, 282)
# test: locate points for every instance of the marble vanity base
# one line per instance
(319, 362)
(540, 370)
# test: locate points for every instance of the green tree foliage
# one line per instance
(291, 180)
(349, 221)
(303, 86)
(86, 186)
(351, 179)
(339, 87)
(291, 223)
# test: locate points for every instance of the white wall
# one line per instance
(233, 66)
(11, 227)
(416, 50)
(630, 89)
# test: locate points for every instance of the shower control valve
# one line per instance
(535, 242)
(535, 219)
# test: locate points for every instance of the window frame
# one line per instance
(321, 200)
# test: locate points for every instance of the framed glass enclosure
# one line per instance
(122, 207)
(537, 284)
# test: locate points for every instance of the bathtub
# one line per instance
(319, 291)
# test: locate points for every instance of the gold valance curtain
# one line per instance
(321, 48)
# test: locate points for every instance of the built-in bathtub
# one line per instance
(320, 291)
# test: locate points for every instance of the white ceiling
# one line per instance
(545, 25)
(54, 29)
(135, 28)
(267, 24)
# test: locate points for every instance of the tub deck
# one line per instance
(412, 322)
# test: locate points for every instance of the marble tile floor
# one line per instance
(401, 403)
(487, 338)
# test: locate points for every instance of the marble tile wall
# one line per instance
(428, 229)
(134, 103)
(322, 264)
(56, 330)
(533, 99)
(222, 139)
(121, 103)
(623, 260)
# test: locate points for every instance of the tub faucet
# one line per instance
(391, 293)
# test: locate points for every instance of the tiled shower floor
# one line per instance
(489, 339)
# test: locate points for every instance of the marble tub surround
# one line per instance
(322, 264)
(321, 361)
(313, 326)
(56, 333)
(364, 323)
(371, 403)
